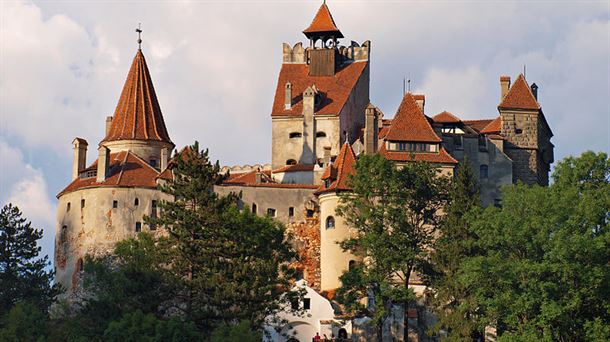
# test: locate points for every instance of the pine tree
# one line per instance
(23, 274)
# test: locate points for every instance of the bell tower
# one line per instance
(323, 35)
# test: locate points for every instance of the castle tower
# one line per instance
(107, 201)
(321, 95)
(526, 131)
(333, 228)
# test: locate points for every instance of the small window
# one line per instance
(154, 204)
(115, 204)
(63, 234)
(254, 208)
(295, 135)
(82, 203)
(138, 227)
(327, 182)
(518, 131)
(79, 265)
(294, 304)
(136, 202)
(330, 222)
(271, 212)
(68, 207)
(291, 212)
(320, 135)
(351, 265)
(153, 162)
(310, 213)
(483, 171)
(291, 162)
(401, 146)
(306, 303)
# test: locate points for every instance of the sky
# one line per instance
(215, 65)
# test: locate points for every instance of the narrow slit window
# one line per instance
(82, 203)
(291, 212)
(68, 207)
(138, 227)
(330, 222)
(136, 202)
(306, 303)
(115, 204)
(254, 208)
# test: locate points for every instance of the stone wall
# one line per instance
(306, 241)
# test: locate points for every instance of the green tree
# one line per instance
(24, 276)
(24, 322)
(394, 212)
(137, 326)
(451, 299)
(543, 273)
(228, 264)
(240, 332)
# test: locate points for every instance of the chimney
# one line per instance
(371, 129)
(288, 96)
(308, 156)
(534, 88)
(504, 86)
(326, 156)
(80, 156)
(164, 158)
(103, 163)
(420, 99)
(108, 124)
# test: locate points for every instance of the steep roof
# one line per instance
(335, 90)
(323, 23)
(441, 157)
(125, 170)
(493, 127)
(519, 96)
(137, 115)
(339, 171)
(410, 124)
(446, 117)
(478, 125)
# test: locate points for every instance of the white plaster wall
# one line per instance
(144, 149)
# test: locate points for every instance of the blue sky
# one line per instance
(215, 64)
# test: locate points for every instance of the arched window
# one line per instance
(351, 264)
(68, 207)
(483, 171)
(291, 162)
(320, 135)
(136, 202)
(254, 208)
(330, 222)
(294, 135)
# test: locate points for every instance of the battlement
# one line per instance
(299, 55)
(245, 168)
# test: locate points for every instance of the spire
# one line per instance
(323, 25)
(337, 174)
(138, 115)
(519, 96)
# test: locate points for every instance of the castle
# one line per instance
(322, 119)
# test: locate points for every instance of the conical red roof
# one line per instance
(137, 115)
(323, 23)
(340, 170)
(519, 96)
(410, 124)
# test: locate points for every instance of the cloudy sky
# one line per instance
(215, 63)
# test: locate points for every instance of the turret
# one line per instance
(80, 156)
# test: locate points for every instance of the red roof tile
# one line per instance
(478, 125)
(519, 96)
(125, 170)
(137, 115)
(335, 90)
(410, 124)
(446, 117)
(493, 127)
(442, 157)
(295, 168)
(323, 22)
(340, 170)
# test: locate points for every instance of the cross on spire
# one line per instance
(139, 31)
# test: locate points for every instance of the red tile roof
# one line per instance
(493, 127)
(323, 22)
(410, 124)
(478, 125)
(339, 171)
(335, 90)
(519, 96)
(442, 157)
(137, 115)
(295, 168)
(125, 170)
(446, 117)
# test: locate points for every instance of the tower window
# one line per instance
(115, 204)
(82, 203)
(291, 212)
(271, 212)
(254, 208)
(518, 131)
(320, 135)
(153, 162)
(68, 207)
(330, 222)
(295, 135)
(310, 213)
(136, 202)
(306, 303)
(483, 171)
(138, 227)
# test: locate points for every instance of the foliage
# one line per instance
(23, 274)
(394, 213)
(543, 272)
(137, 326)
(240, 332)
(24, 322)
(450, 297)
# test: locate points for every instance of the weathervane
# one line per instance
(139, 31)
